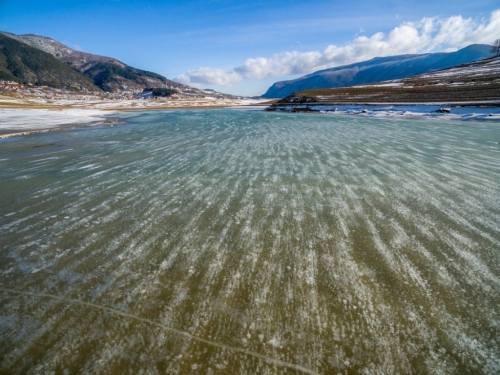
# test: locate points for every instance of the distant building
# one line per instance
(143, 95)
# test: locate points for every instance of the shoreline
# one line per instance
(47, 118)
(105, 122)
(23, 117)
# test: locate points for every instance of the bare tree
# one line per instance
(496, 47)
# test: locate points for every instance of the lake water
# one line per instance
(238, 241)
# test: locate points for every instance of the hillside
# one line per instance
(472, 83)
(107, 73)
(378, 69)
(28, 65)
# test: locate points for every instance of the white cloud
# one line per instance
(427, 35)
(459, 32)
(203, 76)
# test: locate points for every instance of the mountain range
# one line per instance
(377, 70)
(43, 61)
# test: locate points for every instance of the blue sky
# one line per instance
(242, 47)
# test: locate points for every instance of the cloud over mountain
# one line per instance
(426, 35)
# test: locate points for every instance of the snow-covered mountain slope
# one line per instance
(473, 83)
(378, 69)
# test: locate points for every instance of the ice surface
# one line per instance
(22, 120)
(243, 242)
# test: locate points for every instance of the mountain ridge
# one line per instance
(25, 64)
(475, 83)
(378, 69)
(108, 73)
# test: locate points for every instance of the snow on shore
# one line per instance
(14, 120)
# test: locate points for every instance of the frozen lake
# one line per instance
(240, 241)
